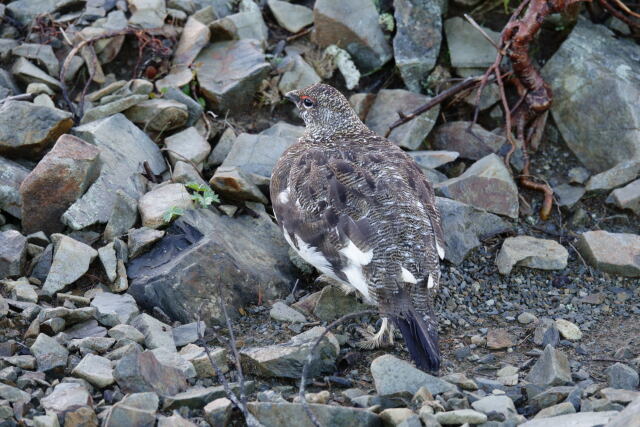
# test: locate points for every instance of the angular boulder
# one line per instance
(11, 176)
(531, 252)
(617, 253)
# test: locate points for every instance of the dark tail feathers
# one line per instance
(421, 338)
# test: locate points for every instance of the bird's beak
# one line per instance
(292, 96)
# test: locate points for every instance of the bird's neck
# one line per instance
(336, 132)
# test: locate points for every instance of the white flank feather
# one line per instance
(407, 276)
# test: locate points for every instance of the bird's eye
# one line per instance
(307, 102)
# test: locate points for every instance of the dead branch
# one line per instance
(621, 16)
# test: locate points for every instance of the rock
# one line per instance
(59, 179)
(169, 357)
(384, 111)
(622, 376)
(487, 184)
(568, 195)
(159, 115)
(470, 140)
(50, 356)
(200, 360)
(11, 176)
(107, 255)
(71, 259)
(582, 419)
(333, 303)
(467, 47)
(24, 70)
(496, 404)
(618, 395)
(464, 226)
(106, 110)
(14, 395)
(40, 52)
(531, 252)
(39, 128)
(218, 412)
(552, 368)
(142, 239)
(230, 73)
(195, 35)
(22, 362)
(276, 414)
(137, 409)
(291, 17)
(397, 416)
(185, 173)
(233, 183)
(67, 396)
(126, 333)
(627, 197)
(616, 253)
(526, 318)
(283, 313)
(247, 24)
(352, 26)
(499, 338)
(568, 330)
(114, 309)
(21, 290)
(147, 13)
(628, 417)
(188, 145)
(555, 410)
(193, 107)
(461, 416)
(139, 372)
(551, 396)
(416, 44)
(460, 380)
(257, 154)
(156, 334)
(394, 376)
(187, 334)
(617, 176)
(174, 420)
(433, 159)
(243, 254)
(26, 10)
(123, 148)
(222, 147)
(298, 75)
(49, 420)
(286, 360)
(13, 254)
(154, 204)
(95, 369)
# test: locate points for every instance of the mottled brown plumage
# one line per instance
(360, 210)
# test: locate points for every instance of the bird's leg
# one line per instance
(323, 278)
(378, 340)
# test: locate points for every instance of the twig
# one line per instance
(20, 97)
(621, 16)
(481, 30)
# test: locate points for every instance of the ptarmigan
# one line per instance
(360, 210)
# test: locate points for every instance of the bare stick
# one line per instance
(481, 31)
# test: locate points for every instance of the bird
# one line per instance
(359, 209)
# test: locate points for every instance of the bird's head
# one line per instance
(325, 111)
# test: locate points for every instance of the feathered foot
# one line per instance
(346, 289)
(378, 339)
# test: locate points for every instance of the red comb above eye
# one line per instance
(305, 97)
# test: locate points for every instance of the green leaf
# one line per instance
(197, 187)
(186, 89)
(172, 213)
(164, 90)
(202, 102)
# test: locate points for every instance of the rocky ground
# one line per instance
(137, 140)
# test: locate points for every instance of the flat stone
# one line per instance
(617, 176)
(354, 27)
(298, 75)
(461, 416)
(137, 409)
(108, 109)
(11, 176)
(147, 13)
(617, 395)
(174, 420)
(526, 318)
(13, 254)
(461, 381)
(139, 372)
(568, 195)
(23, 362)
(333, 303)
(26, 130)
(26, 10)
(107, 255)
(496, 404)
(114, 309)
(188, 145)
(627, 417)
(470, 140)
(156, 334)
(25, 71)
(627, 197)
(230, 73)
(581, 419)
(222, 147)
(622, 376)
(195, 35)
(123, 148)
(158, 114)
(142, 239)
(59, 179)
(193, 107)
(247, 24)
(384, 111)
(95, 369)
(532, 252)
(218, 411)
(487, 184)
(467, 47)
(23, 291)
(551, 396)
(49, 420)
(13, 394)
(393, 376)
(416, 44)
(499, 338)
(555, 410)
(71, 259)
(433, 159)
(201, 362)
(50, 356)
(154, 204)
(616, 253)
(552, 368)
(187, 334)
(283, 313)
(291, 17)
(196, 397)
(256, 154)
(42, 53)
(66, 396)
(280, 414)
(185, 173)
(170, 357)
(568, 330)
(124, 332)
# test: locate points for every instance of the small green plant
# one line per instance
(186, 90)
(387, 22)
(203, 195)
(172, 213)
(202, 102)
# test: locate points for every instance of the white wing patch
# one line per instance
(283, 197)
(430, 282)
(355, 255)
(356, 279)
(356, 259)
(408, 277)
(440, 250)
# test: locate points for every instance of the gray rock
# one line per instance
(169, 357)
(233, 183)
(114, 309)
(298, 74)
(13, 254)
(154, 204)
(187, 334)
(13, 394)
(487, 184)
(139, 372)
(568, 330)
(195, 35)
(551, 396)
(416, 44)
(593, 71)
(222, 147)
(25, 71)
(156, 334)
(201, 362)
(11, 176)
(26, 130)
(352, 26)
(552, 368)
(393, 376)
(627, 417)
(617, 176)
(291, 17)
(126, 333)
(464, 226)
(582, 419)
(59, 179)
(147, 13)
(197, 397)
(283, 313)
(49, 420)
(256, 154)
(231, 83)
(275, 414)
(141, 239)
(137, 409)
(174, 420)
(578, 175)
(188, 145)
(242, 253)
(556, 410)
(496, 404)
(95, 369)
(532, 252)
(218, 412)
(467, 47)
(433, 159)
(50, 356)
(160, 115)
(471, 141)
(617, 253)
(568, 195)
(461, 416)
(21, 290)
(627, 197)
(384, 111)
(42, 53)
(123, 148)
(622, 376)
(286, 360)
(26, 10)
(71, 259)
(618, 395)
(108, 109)
(107, 255)
(248, 24)
(333, 302)
(67, 396)
(194, 108)
(23, 362)
(185, 173)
